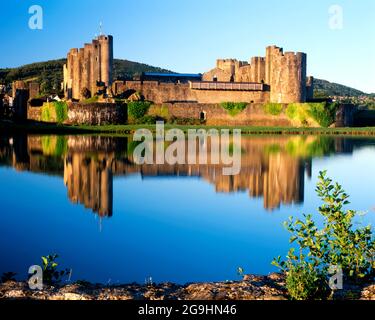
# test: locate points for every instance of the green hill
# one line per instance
(324, 88)
(50, 73)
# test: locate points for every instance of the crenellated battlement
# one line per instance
(277, 77)
(88, 66)
(283, 72)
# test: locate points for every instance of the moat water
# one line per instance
(112, 221)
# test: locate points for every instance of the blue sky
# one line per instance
(188, 36)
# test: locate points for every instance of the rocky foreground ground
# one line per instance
(270, 287)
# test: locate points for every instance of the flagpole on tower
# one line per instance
(101, 28)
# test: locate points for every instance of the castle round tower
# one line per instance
(88, 66)
(286, 75)
(106, 57)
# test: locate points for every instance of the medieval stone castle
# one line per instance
(278, 77)
(283, 73)
(89, 68)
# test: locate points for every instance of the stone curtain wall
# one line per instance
(32, 87)
(88, 114)
(345, 115)
(96, 113)
(215, 114)
(34, 113)
(285, 73)
(218, 96)
(170, 92)
(160, 92)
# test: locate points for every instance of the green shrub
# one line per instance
(337, 243)
(292, 111)
(323, 113)
(274, 109)
(164, 112)
(46, 113)
(50, 273)
(56, 111)
(61, 110)
(148, 119)
(138, 109)
(234, 108)
(298, 112)
(304, 282)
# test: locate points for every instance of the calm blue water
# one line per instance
(113, 221)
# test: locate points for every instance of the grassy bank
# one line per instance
(44, 128)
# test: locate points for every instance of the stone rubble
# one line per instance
(271, 287)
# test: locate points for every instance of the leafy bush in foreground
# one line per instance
(337, 244)
(50, 273)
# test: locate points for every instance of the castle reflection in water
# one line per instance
(273, 167)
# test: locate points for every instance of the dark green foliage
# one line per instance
(50, 273)
(56, 111)
(138, 109)
(8, 276)
(305, 282)
(125, 70)
(274, 109)
(148, 120)
(46, 113)
(341, 244)
(323, 88)
(292, 111)
(234, 108)
(61, 109)
(323, 113)
(321, 94)
(49, 74)
(338, 244)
